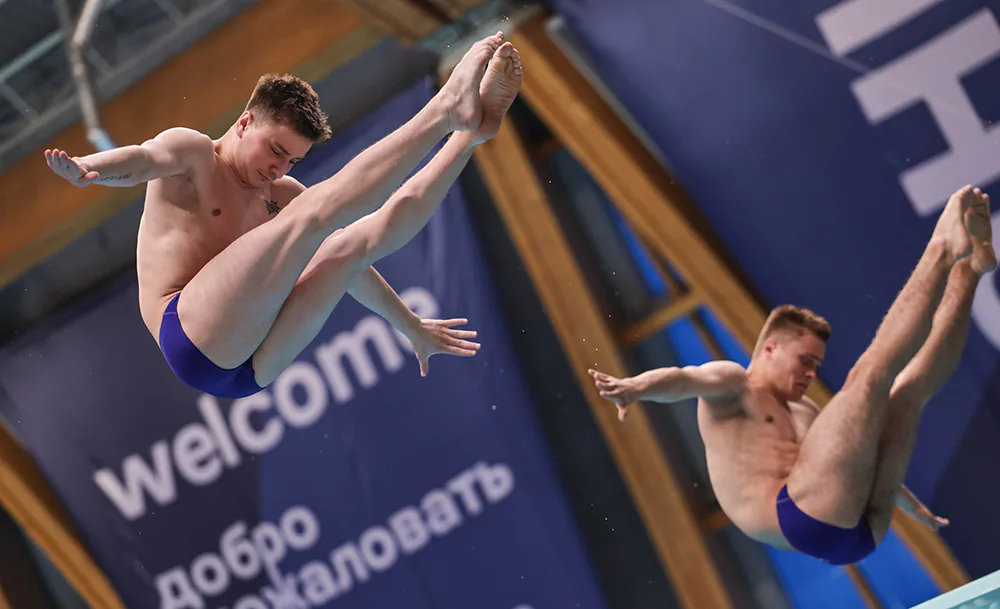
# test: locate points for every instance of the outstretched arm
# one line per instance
(717, 380)
(172, 152)
(908, 502)
(428, 336)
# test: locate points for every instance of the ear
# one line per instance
(770, 345)
(243, 123)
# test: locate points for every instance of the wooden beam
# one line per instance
(865, 590)
(714, 521)
(27, 497)
(407, 20)
(601, 142)
(929, 549)
(42, 214)
(455, 8)
(633, 179)
(588, 342)
(661, 318)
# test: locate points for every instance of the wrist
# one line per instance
(410, 325)
(640, 385)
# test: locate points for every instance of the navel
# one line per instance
(216, 212)
(769, 419)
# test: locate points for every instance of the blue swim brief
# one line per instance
(191, 366)
(826, 542)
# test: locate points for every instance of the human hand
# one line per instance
(434, 336)
(623, 392)
(69, 168)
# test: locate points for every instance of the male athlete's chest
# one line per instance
(771, 417)
(232, 211)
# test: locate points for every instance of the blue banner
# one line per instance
(350, 482)
(821, 139)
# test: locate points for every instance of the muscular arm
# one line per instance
(376, 295)
(713, 380)
(717, 381)
(908, 502)
(173, 152)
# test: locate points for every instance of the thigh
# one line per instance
(228, 307)
(832, 477)
(305, 311)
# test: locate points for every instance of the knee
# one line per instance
(304, 225)
(350, 252)
(869, 377)
(908, 394)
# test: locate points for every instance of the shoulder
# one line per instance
(809, 405)
(181, 151)
(724, 374)
(183, 137)
(286, 188)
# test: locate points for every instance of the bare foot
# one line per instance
(500, 86)
(460, 95)
(979, 226)
(951, 229)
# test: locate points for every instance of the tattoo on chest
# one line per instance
(272, 207)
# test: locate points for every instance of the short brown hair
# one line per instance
(798, 320)
(290, 100)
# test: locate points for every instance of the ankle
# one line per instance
(438, 116)
(940, 251)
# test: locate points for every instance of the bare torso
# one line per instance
(188, 219)
(751, 445)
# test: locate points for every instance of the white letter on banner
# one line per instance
(269, 544)
(931, 73)
(443, 514)
(852, 24)
(285, 596)
(194, 453)
(250, 602)
(339, 558)
(378, 537)
(212, 414)
(300, 528)
(462, 485)
(129, 498)
(409, 529)
(353, 346)
(305, 375)
(176, 591)
(257, 442)
(497, 481)
(214, 584)
(317, 583)
(239, 553)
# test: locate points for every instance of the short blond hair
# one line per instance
(795, 320)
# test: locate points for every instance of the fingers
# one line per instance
(458, 342)
(425, 366)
